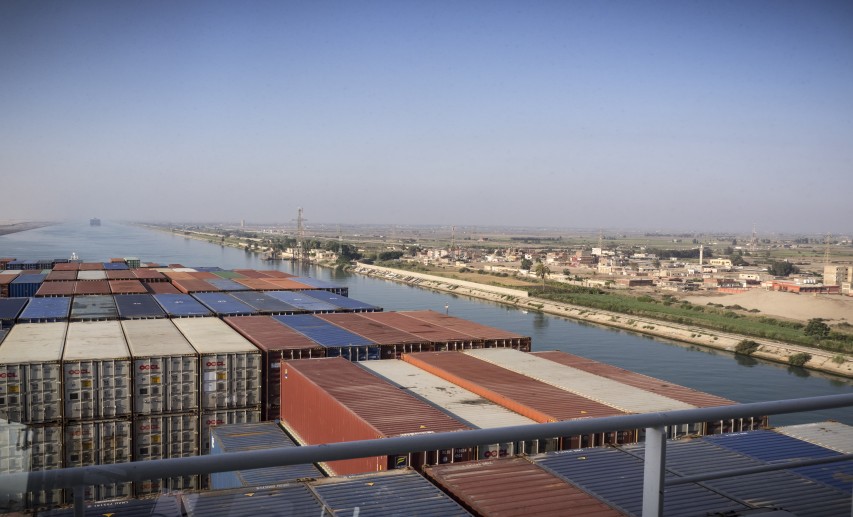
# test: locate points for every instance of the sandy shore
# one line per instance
(770, 350)
(7, 227)
(833, 308)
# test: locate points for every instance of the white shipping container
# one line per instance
(30, 380)
(165, 367)
(96, 370)
(103, 442)
(30, 448)
(229, 364)
(161, 437)
(211, 419)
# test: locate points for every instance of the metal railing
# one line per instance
(654, 485)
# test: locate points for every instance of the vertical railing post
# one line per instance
(654, 469)
(79, 500)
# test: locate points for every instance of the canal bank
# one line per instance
(770, 350)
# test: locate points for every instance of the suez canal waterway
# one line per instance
(737, 378)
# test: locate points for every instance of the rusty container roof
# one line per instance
(57, 275)
(471, 328)
(373, 330)
(127, 287)
(92, 287)
(425, 330)
(268, 334)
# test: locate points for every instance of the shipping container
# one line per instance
(86, 276)
(253, 273)
(289, 284)
(91, 266)
(832, 435)
(92, 287)
(181, 305)
(214, 418)
(263, 303)
(256, 284)
(93, 308)
(99, 442)
(462, 405)
(224, 284)
(229, 275)
(333, 400)
(515, 487)
(161, 288)
(29, 448)
(521, 394)
(31, 385)
(25, 285)
(392, 342)
(96, 371)
(115, 266)
(127, 287)
(158, 437)
(302, 302)
(67, 266)
(276, 342)
(318, 284)
(42, 310)
(10, 309)
(61, 276)
(230, 365)
(649, 384)
(400, 492)
(226, 439)
(343, 303)
(132, 262)
(6, 278)
(3, 333)
(148, 275)
(57, 288)
(165, 367)
(207, 269)
(122, 274)
(492, 337)
(292, 499)
(442, 338)
(337, 341)
(193, 285)
(138, 307)
(162, 506)
(223, 304)
(200, 274)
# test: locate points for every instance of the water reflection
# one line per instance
(745, 360)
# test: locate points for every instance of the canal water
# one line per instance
(737, 378)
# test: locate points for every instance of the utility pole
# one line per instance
(300, 236)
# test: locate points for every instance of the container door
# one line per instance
(11, 392)
(80, 389)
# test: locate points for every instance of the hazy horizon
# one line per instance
(666, 116)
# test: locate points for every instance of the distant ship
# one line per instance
(94, 222)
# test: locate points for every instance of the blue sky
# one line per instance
(692, 116)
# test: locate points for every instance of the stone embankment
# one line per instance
(769, 350)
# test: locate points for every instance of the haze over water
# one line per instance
(736, 378)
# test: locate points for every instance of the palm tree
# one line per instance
(542, 271)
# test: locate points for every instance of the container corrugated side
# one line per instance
(491, 336)
(252, 437)
(393, 342)
(160, 288)
(92, 287)
(317, 392)
(10, 308)
(66, 266)
(57, 289)
(337, 340)
(223, 304)
(125, 274)
(515, 486)
(441, 337)
(149, 275)
(181, 305)
(59, 275)
(31, 387)
(101, 442)
(294, 499)
(193, 285)
(829, 434)
(460, 403)
(29, 448)
(399, 492)
(41, 310)
(213, 418)
(165, 367)
(96, 371)
(276, 342)
(529, 397)
(138, 306)
(93, 308)
(230, 366)
(579, 382)
(127, 287)
(25, 285)
(162, 437)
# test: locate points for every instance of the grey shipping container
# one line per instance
(211, 419)
(30, 373)
(138, 306)
(165, 367)
(97, 307)
(163, 506)
(161, 437)
(230, 366)
(96, 371)
(10, 308)
(252, 437)
(29, 448)
(102, 442)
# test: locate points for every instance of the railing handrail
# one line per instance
(153, 469)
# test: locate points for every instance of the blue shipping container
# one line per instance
(10, 309)
(225, 285)
(299, 300)
(343, 302)
(138, 306)
(265, 304)
(181, 305)
(115, 266)
(293, 499)
(323, 332)
(42, 310)
(252, 437)
(223, 304)
(25, 286)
